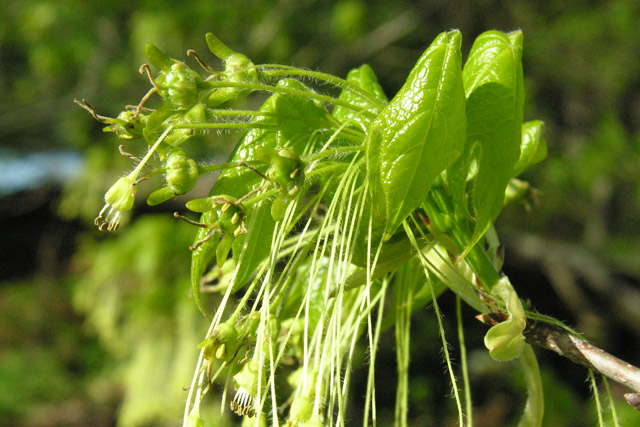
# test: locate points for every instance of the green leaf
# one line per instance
(202, 256)
(365, 79)
(256, 243)
(533, 148)
(493, 85)
(299, 118)
(420, 132)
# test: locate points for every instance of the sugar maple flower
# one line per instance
(120, 197)
(117, 200)
(323, 213)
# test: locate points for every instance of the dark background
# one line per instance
(82, 314)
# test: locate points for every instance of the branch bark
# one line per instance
(579, 351)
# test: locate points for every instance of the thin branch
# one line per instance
(579, 351)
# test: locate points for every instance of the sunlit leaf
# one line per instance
(493, 84)
(420, 132)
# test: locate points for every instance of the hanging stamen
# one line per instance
(263, 176)
(130, 107)
(138, 181)
(254, 191)
(242, 403)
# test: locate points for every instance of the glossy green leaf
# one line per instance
(533, 148)
(364, 78)
(420, 132)
(493, 84)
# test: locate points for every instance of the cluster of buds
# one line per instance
(223, 215)
(186, 95)
(287, 171)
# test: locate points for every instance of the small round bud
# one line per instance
(239, 68)
(179, 86)
(181, 172)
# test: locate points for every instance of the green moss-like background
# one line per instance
(100, 330)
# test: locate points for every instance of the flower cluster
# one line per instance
(327, 203)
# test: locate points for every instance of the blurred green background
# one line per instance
(100, 330)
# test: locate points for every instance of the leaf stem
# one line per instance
(464, 365)
(276, 70)
(288, 91)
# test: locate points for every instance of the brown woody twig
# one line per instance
(578, 351)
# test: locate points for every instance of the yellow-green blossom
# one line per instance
(117, 200)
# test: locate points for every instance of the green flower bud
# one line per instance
(248, 325)
(222, 343)
(179, 86)
(230, 217)
(118, 199)
(181, 173)
(239, 68)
